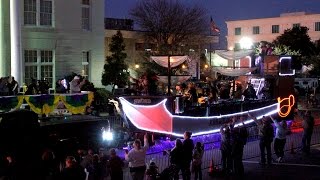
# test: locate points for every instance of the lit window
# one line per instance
(38, 65)
(275, 29)
(85, 63)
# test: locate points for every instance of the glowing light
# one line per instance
(184, 66)
(293, 72)
(151, 118)
(107, 135)
(285, 104)
(245, 43)
(206, 66)
(137, 66)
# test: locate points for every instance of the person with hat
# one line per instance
(266, 134)
(75, 85)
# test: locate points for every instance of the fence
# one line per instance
(251, 149)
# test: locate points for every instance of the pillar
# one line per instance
(15, 37)
(4, 38)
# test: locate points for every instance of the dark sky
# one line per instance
(223, 10)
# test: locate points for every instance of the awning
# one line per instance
(233, 55)
(174, 60)
(233, 72)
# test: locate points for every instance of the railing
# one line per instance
(251, 149)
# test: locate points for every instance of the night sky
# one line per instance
(224, 10)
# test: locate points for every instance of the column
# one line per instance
(4, 38)
(15, 37)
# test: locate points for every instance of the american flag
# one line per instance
(213, 26)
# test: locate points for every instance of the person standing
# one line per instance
(177, 158)
(137, 158)
(197, 160)
(225, 148)
(280, 140)
(188, 147)
(266, 134)
(72, 170)
(76, 84)
(115, 165)
(307, 124)
(239, 135)
(13, 86)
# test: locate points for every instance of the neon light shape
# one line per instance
(157, 118)
(285, 105)
(293, 72)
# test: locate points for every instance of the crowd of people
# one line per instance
(8, 86)
(185, 157)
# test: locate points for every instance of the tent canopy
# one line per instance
(174, 60)
(233, 72)
(234, 55)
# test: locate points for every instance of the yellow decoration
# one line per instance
(285, 104)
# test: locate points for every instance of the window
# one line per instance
(237, 46)
(256, 30)
(85, 15)
(85, 63)
(296, 25)
(275, 29)
(45, 13)
(38, 12)
(237, 31)
(38, 65)
(317, 26)
(30, 12)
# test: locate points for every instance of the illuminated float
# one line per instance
(162, 114)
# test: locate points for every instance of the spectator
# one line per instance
(72, 170)
(115, 165)
(239, 135)
(280, 140)
(136, 158)
(266, 134)
(75, 85)
(188, 147)
(32, 88)
(225, 148)
(197, 160)
(177, 158)
(60, 87)
(307, 124)
(13, 86)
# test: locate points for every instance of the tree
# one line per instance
(169, 24)
(116, 70)
(297, 39)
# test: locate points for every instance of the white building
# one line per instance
(49, 39)
(267, 29)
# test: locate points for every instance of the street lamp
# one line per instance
(246, 43)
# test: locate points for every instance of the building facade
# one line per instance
(267, 29)
(49, 39)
